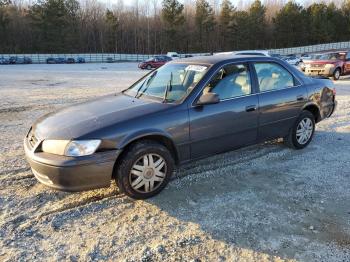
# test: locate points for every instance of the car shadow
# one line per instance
(344, 78)
(268, 198)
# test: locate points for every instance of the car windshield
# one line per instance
(170, 83)
(330, 56)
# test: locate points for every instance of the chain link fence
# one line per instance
(113, 57)
(312, 48)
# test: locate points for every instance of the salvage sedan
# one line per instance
(185, 110)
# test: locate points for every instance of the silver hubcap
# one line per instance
(304, 131)
(147, 173)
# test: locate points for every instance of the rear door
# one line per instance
(233, 121)
(281, 97)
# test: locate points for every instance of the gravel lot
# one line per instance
(261, 203)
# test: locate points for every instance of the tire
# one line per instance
(304, 125)
(134, 175)
(336, 74)
(149, 67)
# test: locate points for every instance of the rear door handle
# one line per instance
(250, 108)
(300, 98)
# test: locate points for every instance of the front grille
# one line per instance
(32, 140)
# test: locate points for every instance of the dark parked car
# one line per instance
(50, 60)
(27, 60)
(110, 60)
(81, 60)
(155, 62)
(186, 110)
(59, 60)
(20, 60)
(4, 61)
(12, 60)
(70, 60)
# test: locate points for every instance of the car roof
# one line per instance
(216, 59)
(220, 60)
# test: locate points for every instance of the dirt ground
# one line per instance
(261, 203)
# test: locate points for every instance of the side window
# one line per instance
(272, 76)
(230, 81)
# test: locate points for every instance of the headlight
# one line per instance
(71, 148)
(82, 147)
(56, 147)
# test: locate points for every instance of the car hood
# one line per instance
(77, 120)
(319, 62)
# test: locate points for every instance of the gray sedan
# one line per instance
(185, 110)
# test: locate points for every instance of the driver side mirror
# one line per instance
(208, 99)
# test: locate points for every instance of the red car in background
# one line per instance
(154, 62)
(331, 64)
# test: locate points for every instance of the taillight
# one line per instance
(334, 91)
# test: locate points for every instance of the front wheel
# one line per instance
(144, 170)
(336, 74)
(149, 67)
(302, 131)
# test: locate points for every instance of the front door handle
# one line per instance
(300, 98)
(250, 108)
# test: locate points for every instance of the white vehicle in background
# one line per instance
(292, 60)
(173, 55)
(306, 57)
(246, 52)
(253, 52)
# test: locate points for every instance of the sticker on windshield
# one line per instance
(197, 68)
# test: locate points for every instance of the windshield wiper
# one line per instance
(139, 93)
(168, 88)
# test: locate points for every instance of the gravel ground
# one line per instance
(261, 203)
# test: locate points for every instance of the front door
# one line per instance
(232, 122)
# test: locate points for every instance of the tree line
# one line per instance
(154, 26)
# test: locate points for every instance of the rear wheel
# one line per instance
(336, 74)
(302, 131)
(144, 170)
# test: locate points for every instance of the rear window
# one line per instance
(272, 76)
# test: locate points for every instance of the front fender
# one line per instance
(140, 134)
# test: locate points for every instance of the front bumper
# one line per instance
(319, 71)
(72, 173)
